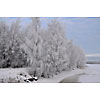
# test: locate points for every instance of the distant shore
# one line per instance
(93, 62)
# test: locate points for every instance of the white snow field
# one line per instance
(90, 74)
(13, 75)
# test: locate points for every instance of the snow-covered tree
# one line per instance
(33, 44)
(18, 56)
(4, 30)
(49, 50)
(81, 58)
(54, 49)
(76, 56)
(11, 54)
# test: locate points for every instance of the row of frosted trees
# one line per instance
(46, 50)
(11, 55)
(49, 50)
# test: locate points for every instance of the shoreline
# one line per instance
(91, 75)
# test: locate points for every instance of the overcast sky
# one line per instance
(84, 32)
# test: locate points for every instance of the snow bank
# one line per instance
(13, 75)
(90, 74)
(61, 76)
(86, 75)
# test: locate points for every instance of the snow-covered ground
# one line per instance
(91, 73)
(13, 75)
(88, 74)
(59, 77)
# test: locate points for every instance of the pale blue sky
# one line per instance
(84, 31)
